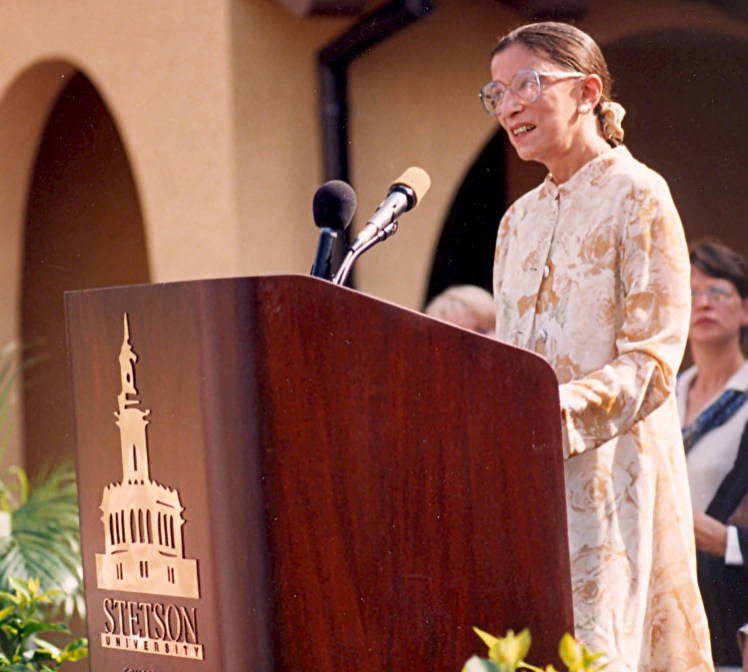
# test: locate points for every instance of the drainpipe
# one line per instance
(333, 61)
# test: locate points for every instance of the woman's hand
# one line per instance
(711, 535)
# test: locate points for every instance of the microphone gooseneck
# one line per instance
(403, 195)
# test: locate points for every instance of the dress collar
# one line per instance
(594, 168)
(739, 379)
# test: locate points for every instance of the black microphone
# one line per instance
(333, 207)
(404, 194)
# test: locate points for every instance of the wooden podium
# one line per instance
(277, 473)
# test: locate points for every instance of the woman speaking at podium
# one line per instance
(591, 272)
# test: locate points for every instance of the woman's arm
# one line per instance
(711, 535)
(655, 305)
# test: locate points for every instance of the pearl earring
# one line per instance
(584, 107)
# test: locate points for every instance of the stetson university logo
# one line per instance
(143, 551)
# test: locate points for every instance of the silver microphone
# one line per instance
(403, 195)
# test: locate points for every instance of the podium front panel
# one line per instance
(276, 473)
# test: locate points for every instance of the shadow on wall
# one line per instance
(464, 254)
(83, 229)
(685, 93)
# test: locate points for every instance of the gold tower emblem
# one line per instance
(142, 518)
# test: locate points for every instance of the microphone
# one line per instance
(333, 206)
(403, 195)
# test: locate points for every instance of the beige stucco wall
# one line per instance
(277, 158)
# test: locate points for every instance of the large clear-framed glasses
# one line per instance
(525, 85)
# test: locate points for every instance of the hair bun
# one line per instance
(611, 116)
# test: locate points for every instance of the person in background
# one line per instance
(466, 306)
(743, 642)
(712, 396)
(591, 272)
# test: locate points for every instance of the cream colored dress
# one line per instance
(593, 275)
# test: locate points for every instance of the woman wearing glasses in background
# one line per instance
(591, 272)
(712, 398)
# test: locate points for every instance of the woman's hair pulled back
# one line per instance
(572, 49)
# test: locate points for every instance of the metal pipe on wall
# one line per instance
(333, 61)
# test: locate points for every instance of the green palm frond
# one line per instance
(44, 542)
(9, 372)
(39, 525)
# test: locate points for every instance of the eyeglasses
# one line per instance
(525, 85)
(713, 294)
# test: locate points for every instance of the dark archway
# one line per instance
(83, 229)
(686, 96)
(464, 253)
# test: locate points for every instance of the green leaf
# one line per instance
(8, 597)
(18, 667)
(12, 629)
(488, 640)
(570, 652)
(588, 660)
(46, 649)
(511, 649)
(33, 626)
(75, 650)
(526, 666)
(39, 655)
(20, 586)
(33, 586)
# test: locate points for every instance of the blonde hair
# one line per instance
(470, 298)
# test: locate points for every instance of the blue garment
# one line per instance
(712, 417)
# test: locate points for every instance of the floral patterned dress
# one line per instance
(593, 275)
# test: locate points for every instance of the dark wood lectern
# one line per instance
(280, 474)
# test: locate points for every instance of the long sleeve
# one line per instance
(651, 338)
(733, 551)
(743, 542)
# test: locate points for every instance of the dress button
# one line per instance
(546, 271)
(543, 335)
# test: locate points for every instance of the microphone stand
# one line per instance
(323, 261)
(352, 255)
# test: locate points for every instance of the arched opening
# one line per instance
(684, 118)
(465, 250)
(685, 93)
(83, 229)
